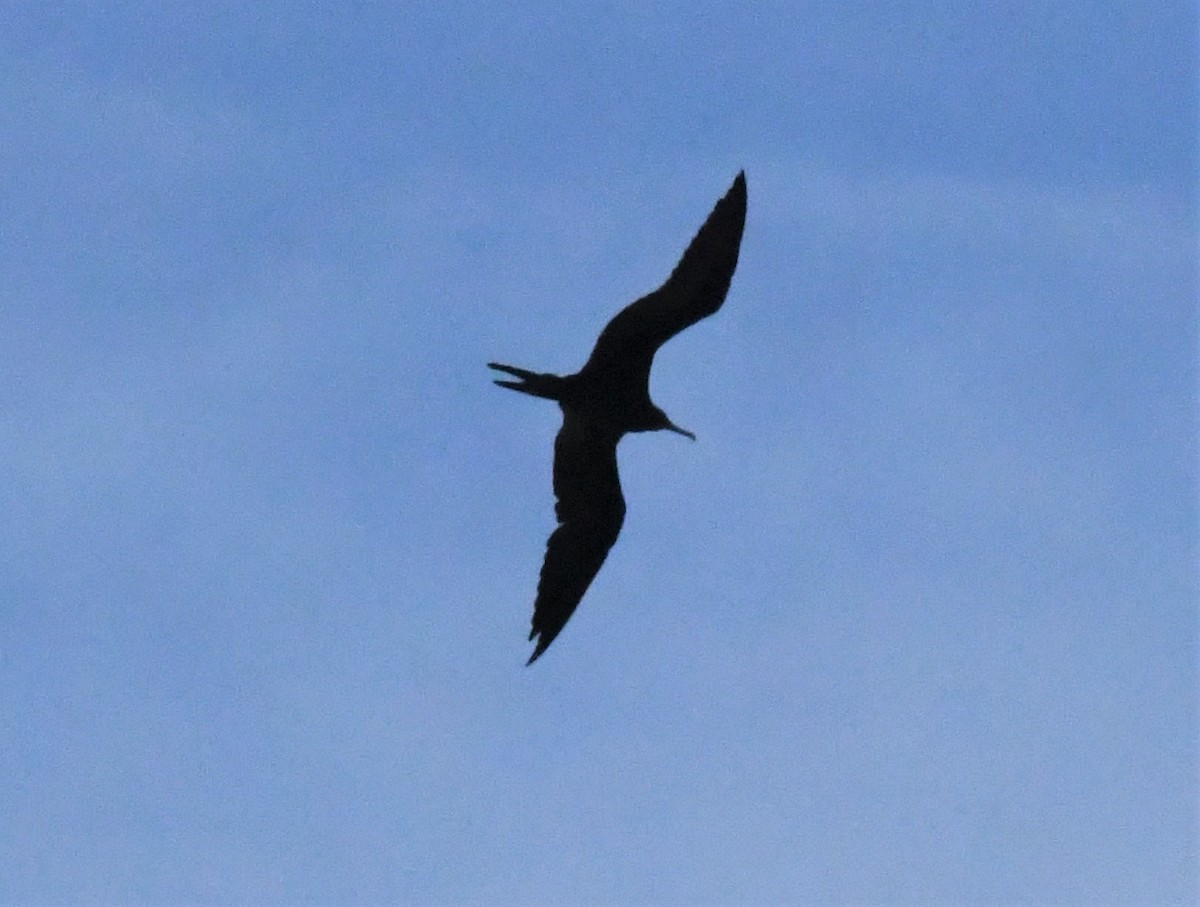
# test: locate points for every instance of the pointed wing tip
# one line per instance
(537, 653)
(737, 192)
(542, 645)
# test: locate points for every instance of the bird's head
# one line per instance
(662, 422)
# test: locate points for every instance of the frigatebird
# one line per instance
(609, 397)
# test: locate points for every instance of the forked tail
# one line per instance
(538, 384)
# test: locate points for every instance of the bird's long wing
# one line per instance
(590, 512)
(695, 289)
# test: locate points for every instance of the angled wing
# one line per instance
(695, 289)
(590, 512)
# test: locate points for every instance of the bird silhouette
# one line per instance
(609, 397)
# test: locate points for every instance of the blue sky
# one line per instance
(914, 621)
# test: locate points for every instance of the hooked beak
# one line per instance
(671, 426)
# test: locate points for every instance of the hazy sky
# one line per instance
(913, 622)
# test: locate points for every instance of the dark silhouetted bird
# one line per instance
(610, 396)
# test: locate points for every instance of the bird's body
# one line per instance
(610, 397)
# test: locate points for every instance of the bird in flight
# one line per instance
(609, 397)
